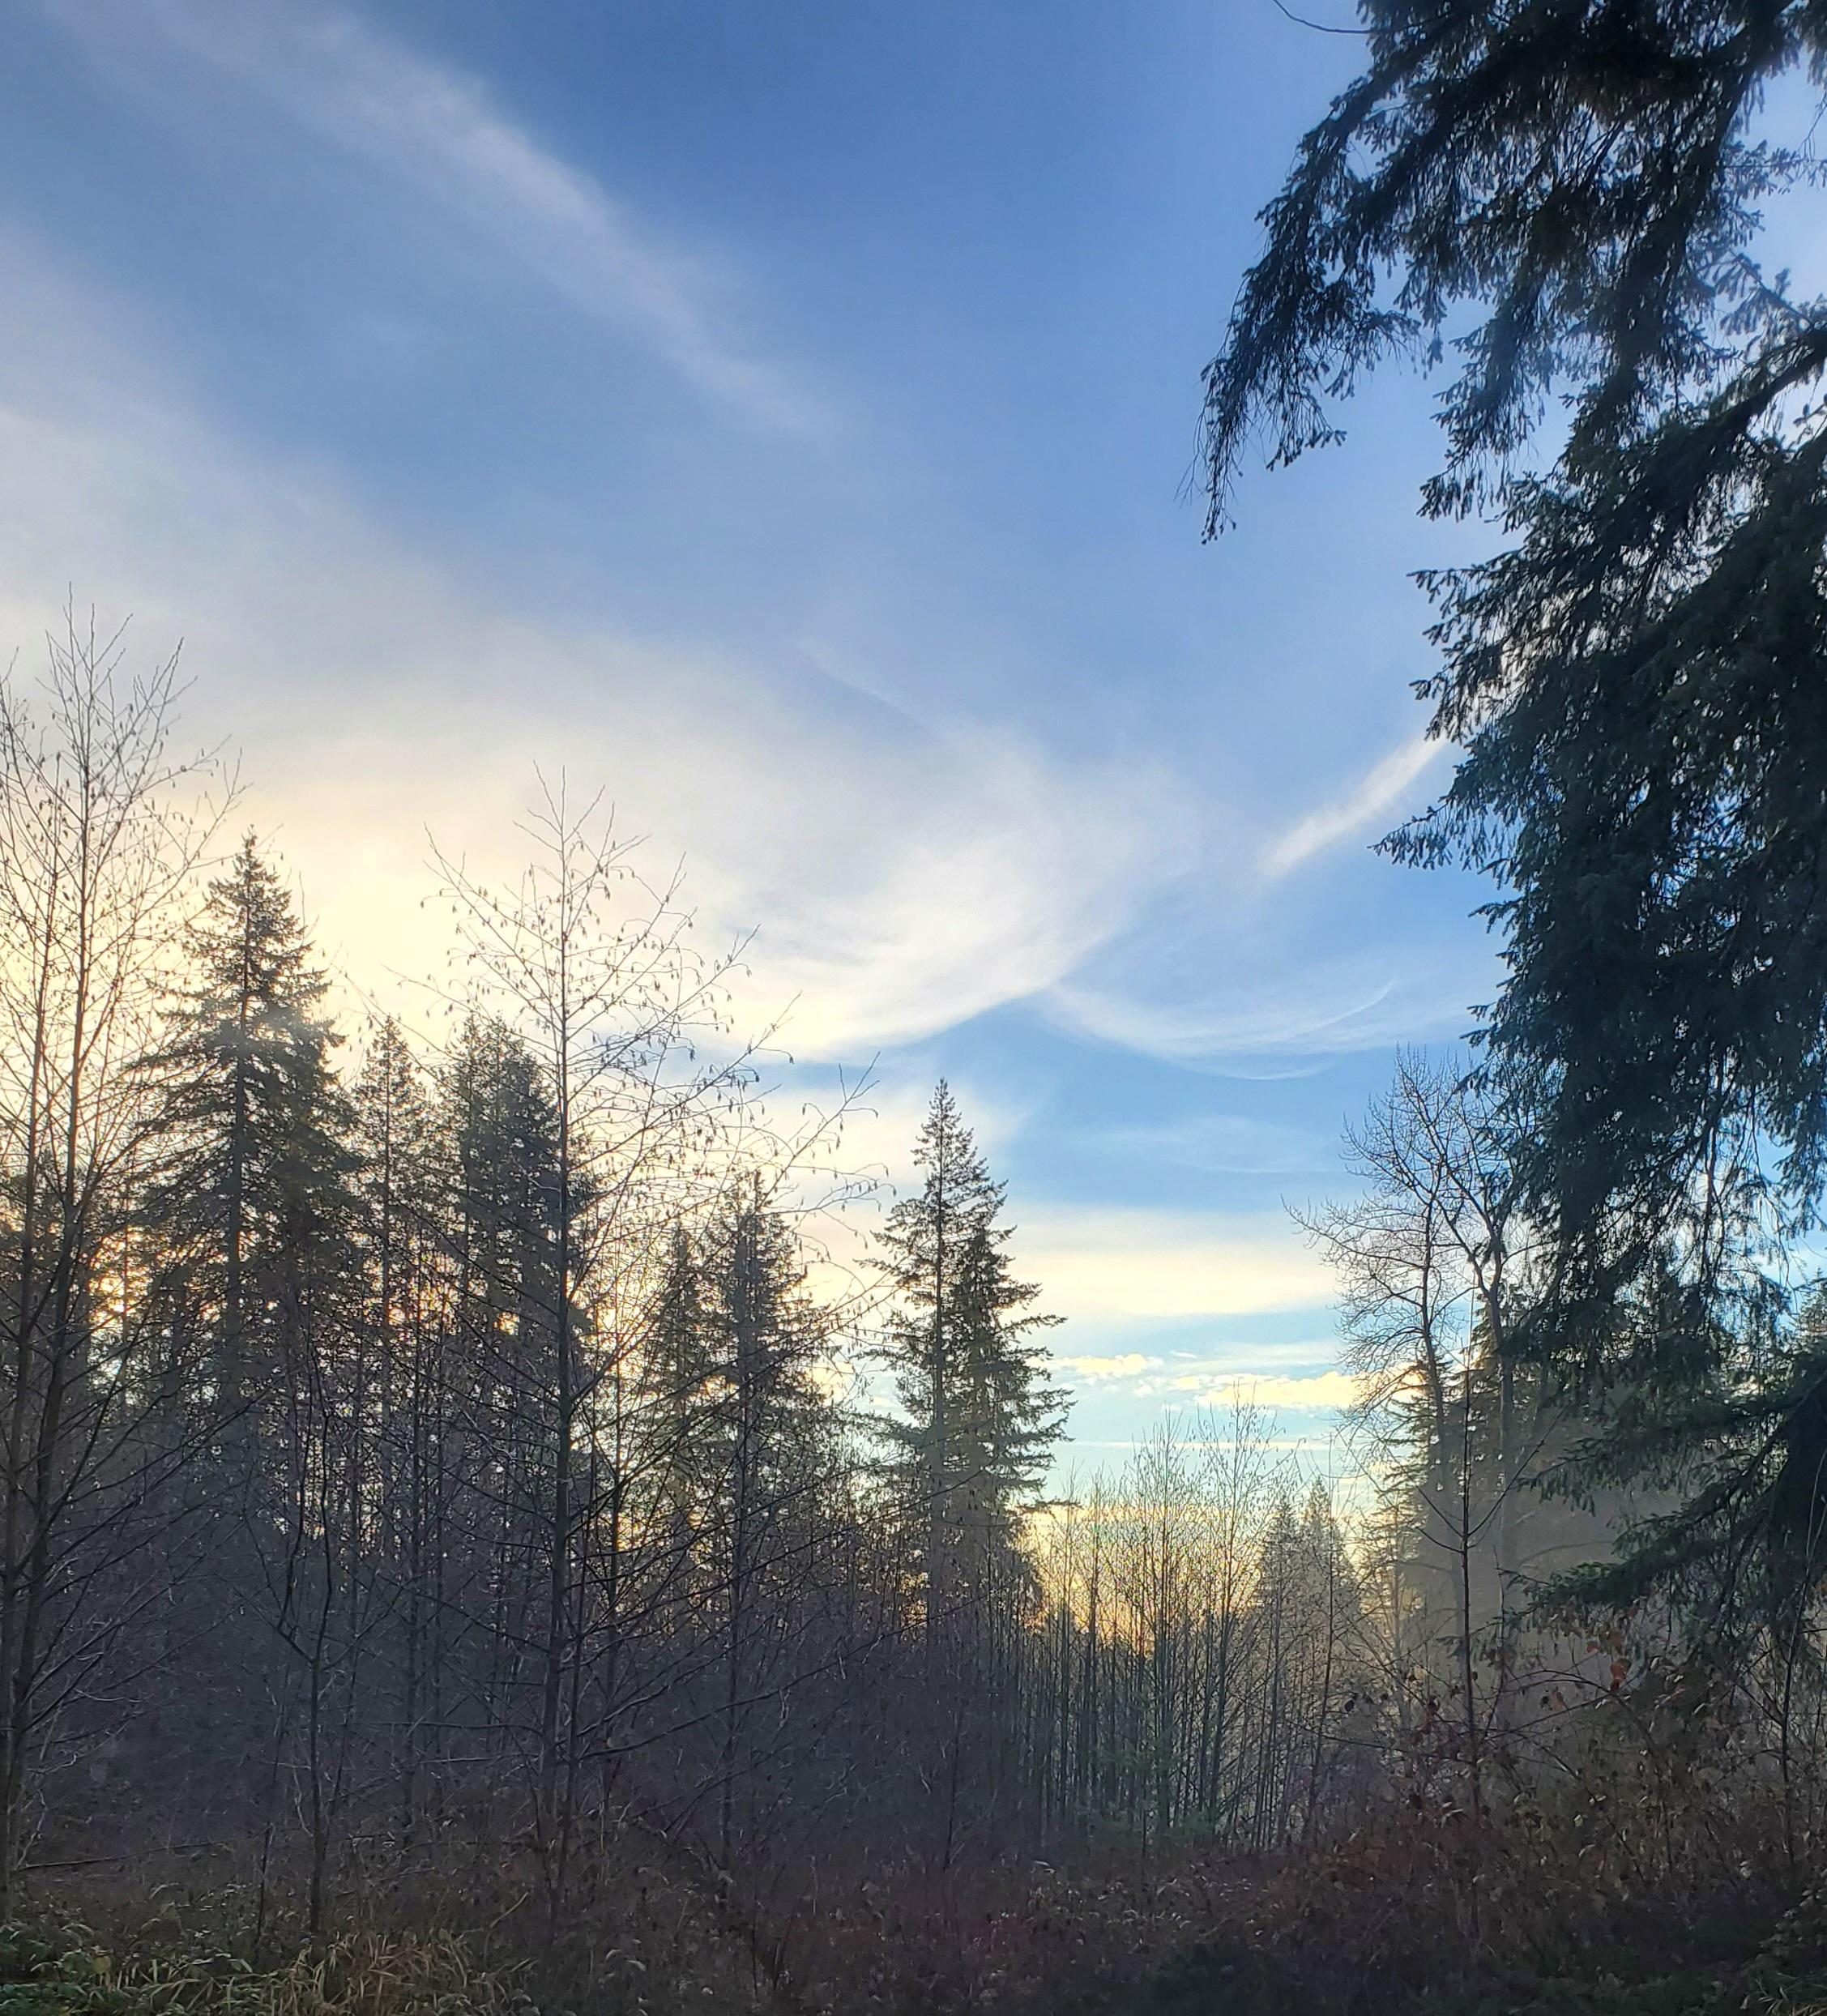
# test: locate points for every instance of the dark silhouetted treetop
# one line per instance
(1638, 682)
(255, 1124)
(1639, 690)
(1580, 170)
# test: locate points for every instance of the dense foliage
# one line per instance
(1567, 195)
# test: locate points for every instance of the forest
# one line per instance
(500, 1510)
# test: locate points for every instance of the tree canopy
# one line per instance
(1566, 196)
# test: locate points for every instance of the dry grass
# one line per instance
(1560, 1914)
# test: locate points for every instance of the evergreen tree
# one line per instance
(1006, 1415)
(256, 1183)
(762, 1340)
(501, 1216)
(1638, 681)
(1572, 189)
(678, 1347)
(255, 1127)
(979, 1417)
(765, 1456)
(394, 1147)
(399, 1398)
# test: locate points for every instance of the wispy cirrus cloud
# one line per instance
(904, 874)
(1359, 1001)
(1373, 795)
(425, 124)
(1001, 879)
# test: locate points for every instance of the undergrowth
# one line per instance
(1407, 1919)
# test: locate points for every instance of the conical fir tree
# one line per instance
(252, 1201)
(979, 1415)
(254, 1179)
(765, 1458)
(678, 1351)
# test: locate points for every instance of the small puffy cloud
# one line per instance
(1296, 1392)
(1126, 1365)
(1238, 1377)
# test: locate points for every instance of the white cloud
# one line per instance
(904, 876)
(1007, 871)
(422, 123)
(1295, 1394)
(1356, 1001)
(1380, 789)
(1218, 1382)
(1124, 1364)
(1135, 1264)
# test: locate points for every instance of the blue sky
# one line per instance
(780, 414)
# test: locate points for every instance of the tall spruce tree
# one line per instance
(256, 1183)
(255, 1129)
(678, 1347)
(766, 1457)
(979, 1416)
(499, 1471)
(398, 1397)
